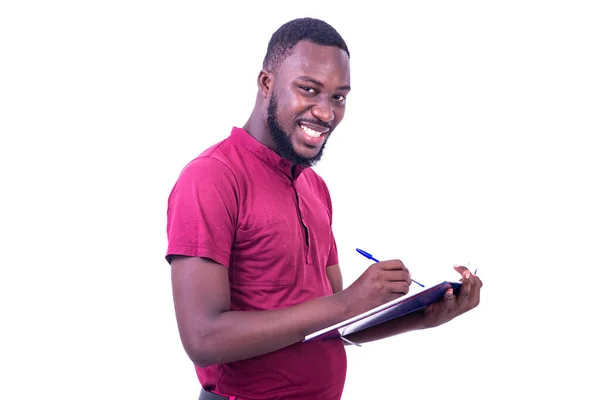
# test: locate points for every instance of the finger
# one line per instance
(461, 269)
(396, 275)
(476, 291)
(392, 265)
(401, 287)
(467, 285)
(449, 294)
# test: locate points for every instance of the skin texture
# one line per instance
(309, 88)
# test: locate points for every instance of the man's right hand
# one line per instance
(381, 282)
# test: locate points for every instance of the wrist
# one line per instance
(343, 305)
(416, 320)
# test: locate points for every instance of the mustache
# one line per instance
(318, 123)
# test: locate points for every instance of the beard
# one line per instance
(285, 148)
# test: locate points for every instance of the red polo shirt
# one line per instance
(239, 204)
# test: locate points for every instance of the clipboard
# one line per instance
(386, 312)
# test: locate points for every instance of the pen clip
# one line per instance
(350, 342)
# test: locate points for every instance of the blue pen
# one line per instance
(370, 257)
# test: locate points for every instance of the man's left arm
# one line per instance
(445, 310)
(334, 274)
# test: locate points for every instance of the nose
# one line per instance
(323, 111)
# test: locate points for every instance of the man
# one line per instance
(253, 257)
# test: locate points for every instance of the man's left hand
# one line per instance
(451, 306)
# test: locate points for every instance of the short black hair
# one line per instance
(289, 34)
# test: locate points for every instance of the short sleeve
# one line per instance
(202, 211)
(333, 252)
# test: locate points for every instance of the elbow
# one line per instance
(202, 353)
(199, 359)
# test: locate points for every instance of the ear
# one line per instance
(265, 82)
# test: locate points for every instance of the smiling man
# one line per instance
(308, 96)
(254, 263)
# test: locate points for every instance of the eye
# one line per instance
(308, 89)
(339, 98)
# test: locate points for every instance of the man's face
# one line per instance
(308, 100)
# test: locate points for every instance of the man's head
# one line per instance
(289, 34)
(303, 87)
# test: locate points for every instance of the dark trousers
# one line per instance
(206, 395)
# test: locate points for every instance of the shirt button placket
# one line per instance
(304, 226)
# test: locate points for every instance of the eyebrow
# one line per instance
(320, 84)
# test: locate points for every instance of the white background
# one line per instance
(470, 136)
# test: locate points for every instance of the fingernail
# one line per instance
(467, 275)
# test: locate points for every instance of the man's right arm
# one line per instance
(213, 334)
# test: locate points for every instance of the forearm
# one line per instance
(406, 323)
(238, 335)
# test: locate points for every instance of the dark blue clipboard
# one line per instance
(386, 312)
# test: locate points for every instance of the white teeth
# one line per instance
(310, 132)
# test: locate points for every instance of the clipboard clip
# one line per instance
(350, 341)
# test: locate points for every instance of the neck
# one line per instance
(258, 128)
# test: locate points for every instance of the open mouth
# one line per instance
(313, 133)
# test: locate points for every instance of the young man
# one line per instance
(253, 256)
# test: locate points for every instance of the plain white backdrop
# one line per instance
(470, 136)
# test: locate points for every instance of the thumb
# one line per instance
(449, 295)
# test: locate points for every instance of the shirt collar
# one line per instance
(265, 154)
